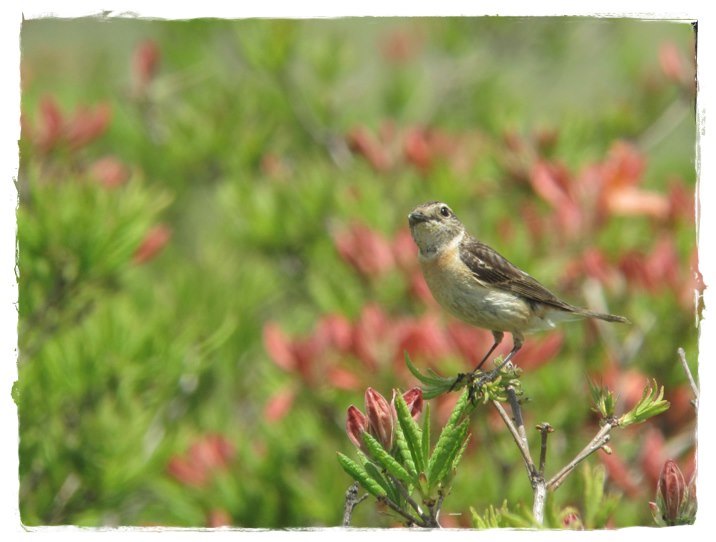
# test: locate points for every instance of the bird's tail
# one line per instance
(603, 316)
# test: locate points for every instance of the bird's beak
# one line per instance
(416, 217)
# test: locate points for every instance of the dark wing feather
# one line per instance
(492, 269)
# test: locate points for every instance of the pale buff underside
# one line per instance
(457, 290)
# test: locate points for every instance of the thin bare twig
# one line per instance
(545, 429)
(694, 388)
(519, 423)
(517, 429)
(404, 492)
(515, 434)
(411, 520)
(352, 500)
(599, 440)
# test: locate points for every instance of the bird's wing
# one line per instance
(493, 270)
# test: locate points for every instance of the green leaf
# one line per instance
(433, 384)
(593, 479)
(651, 404)
(446, 450)
(360, 475)
(405, 455)
(374, 473)
(426, 431)
(598, 506)
(410, 431)
(386, 460)
(603, 400)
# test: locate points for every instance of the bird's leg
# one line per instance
(493, 374)
(498, 336)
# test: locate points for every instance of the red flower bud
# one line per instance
(671, 489)
(380, 417)
(356, 424)
(414, 399)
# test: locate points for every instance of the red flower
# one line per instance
(552, 182)
(365, 250)
(652, 456)
(422, 338)
(405, 252)
(279, 405)
(672, 64)
(362, 142)
(537, 352)
(380, 417)
(109, 171)
(218, 518)
(671, 489)
(418, 150)
(356, 424)
(145, 64)
(153, 243)
(619, 473)
(208, 455)
(87, 124)
(413, 399)
(51, 124)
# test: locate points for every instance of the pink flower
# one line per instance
(413, 399)
(109, 171)
(417, 149)
(671, 489)
(153, 243)
(367, 251)
(362, 142)
(87, 124)
(380, 417)
(51, 124)
(356, 424)
(208, 455)
(218, 517)
(279, 405)
(145, 63)
(672, 64)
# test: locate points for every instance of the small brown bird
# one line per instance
(479, 286)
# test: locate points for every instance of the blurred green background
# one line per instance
(214, 259)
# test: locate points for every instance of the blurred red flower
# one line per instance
(87, 124)
(279, 405)
(652, 456)
(619, 473)
(399, 46)
(109, 171)
(207, 456)
(423, 338)
(380, 417)
(365, 250)
(538, 351)
(553, 183)
(51, 124)
(154, 241)
(362, 142)
(417, 149)
(672, 64)
(218, 517)
(145, 64)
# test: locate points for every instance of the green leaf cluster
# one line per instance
(412, 467)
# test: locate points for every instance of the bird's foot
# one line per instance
(475, 380)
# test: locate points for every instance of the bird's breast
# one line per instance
(457, 290)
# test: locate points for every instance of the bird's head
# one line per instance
(434, 226)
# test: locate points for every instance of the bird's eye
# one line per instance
(444, 211)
